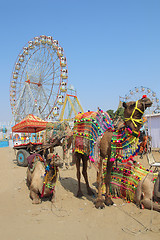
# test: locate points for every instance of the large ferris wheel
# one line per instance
(137, 93)
(39, 80)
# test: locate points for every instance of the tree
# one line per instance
(119, 113)
(111, 113)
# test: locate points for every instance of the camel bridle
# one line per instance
(134, 120)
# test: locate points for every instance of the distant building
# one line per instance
(153, 122)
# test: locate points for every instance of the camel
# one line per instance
(63, 133)
(133, 112)
(42, 176)
(147, 194)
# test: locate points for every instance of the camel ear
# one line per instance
(124, 104)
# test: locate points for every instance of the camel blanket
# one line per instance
(125, 178)
(55, 130)
(33, 159)
(88, 127)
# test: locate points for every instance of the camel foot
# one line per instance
(36, 201)
(108, 201)
(79, 194)
(53, 200)
(99, 204)
(64, 168)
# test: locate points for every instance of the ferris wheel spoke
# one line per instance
(54, 71)
(48, 83)
(49, 70)
(47, 100)
(51, 79)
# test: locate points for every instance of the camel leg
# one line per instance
(64, 158)
(64, 147)
(108, 201)
(51, 149)
(53, 197)
(148, 204)
(99, 201)
(34, 196)
(79, 193)
(84, 172)
(67, 156)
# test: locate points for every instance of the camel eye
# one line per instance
(132, 106)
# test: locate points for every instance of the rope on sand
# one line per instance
(61, 212)
(145, 229)
(58, 212)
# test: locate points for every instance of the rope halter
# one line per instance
(133, 119)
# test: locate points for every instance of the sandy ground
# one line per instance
(69, 217)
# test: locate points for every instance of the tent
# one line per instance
(153, 122)
(30, 124)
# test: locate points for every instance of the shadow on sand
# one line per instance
(71, 185)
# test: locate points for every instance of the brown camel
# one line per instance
(133, 112)
(147, 194)
(42, 176)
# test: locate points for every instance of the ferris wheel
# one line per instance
(138, 92)
(39, 79)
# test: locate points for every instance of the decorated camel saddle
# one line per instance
(33, 159)
(56, 130)
(89, 127)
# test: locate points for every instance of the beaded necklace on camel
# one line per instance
(125, 142)
(48, 179)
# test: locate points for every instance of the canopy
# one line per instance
(30, 124)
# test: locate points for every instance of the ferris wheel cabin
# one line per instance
(56, 111)
(63, 62)
(63, 87)
(60, 99)
(64, 74)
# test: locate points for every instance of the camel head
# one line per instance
(54, 160)
(133, 112)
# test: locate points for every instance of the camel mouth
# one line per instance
(147, 102)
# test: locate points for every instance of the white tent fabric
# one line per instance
(153, 121)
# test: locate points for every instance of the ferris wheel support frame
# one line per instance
(73, 108)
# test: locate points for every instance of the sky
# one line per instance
(111, 46)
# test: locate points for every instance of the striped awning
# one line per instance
(30, 124)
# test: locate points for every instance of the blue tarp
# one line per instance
(4, 143)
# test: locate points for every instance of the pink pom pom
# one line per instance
(91, 159)
(129, 130)
(112, 159)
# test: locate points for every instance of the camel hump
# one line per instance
(99, 118)
(88, 127)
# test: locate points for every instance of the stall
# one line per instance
(30, 125)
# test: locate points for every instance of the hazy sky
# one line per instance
(111, 46)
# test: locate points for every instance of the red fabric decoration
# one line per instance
(144, 96)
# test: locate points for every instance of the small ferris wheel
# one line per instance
(137, 93)
(39, 79)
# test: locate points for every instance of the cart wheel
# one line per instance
(22, 158)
